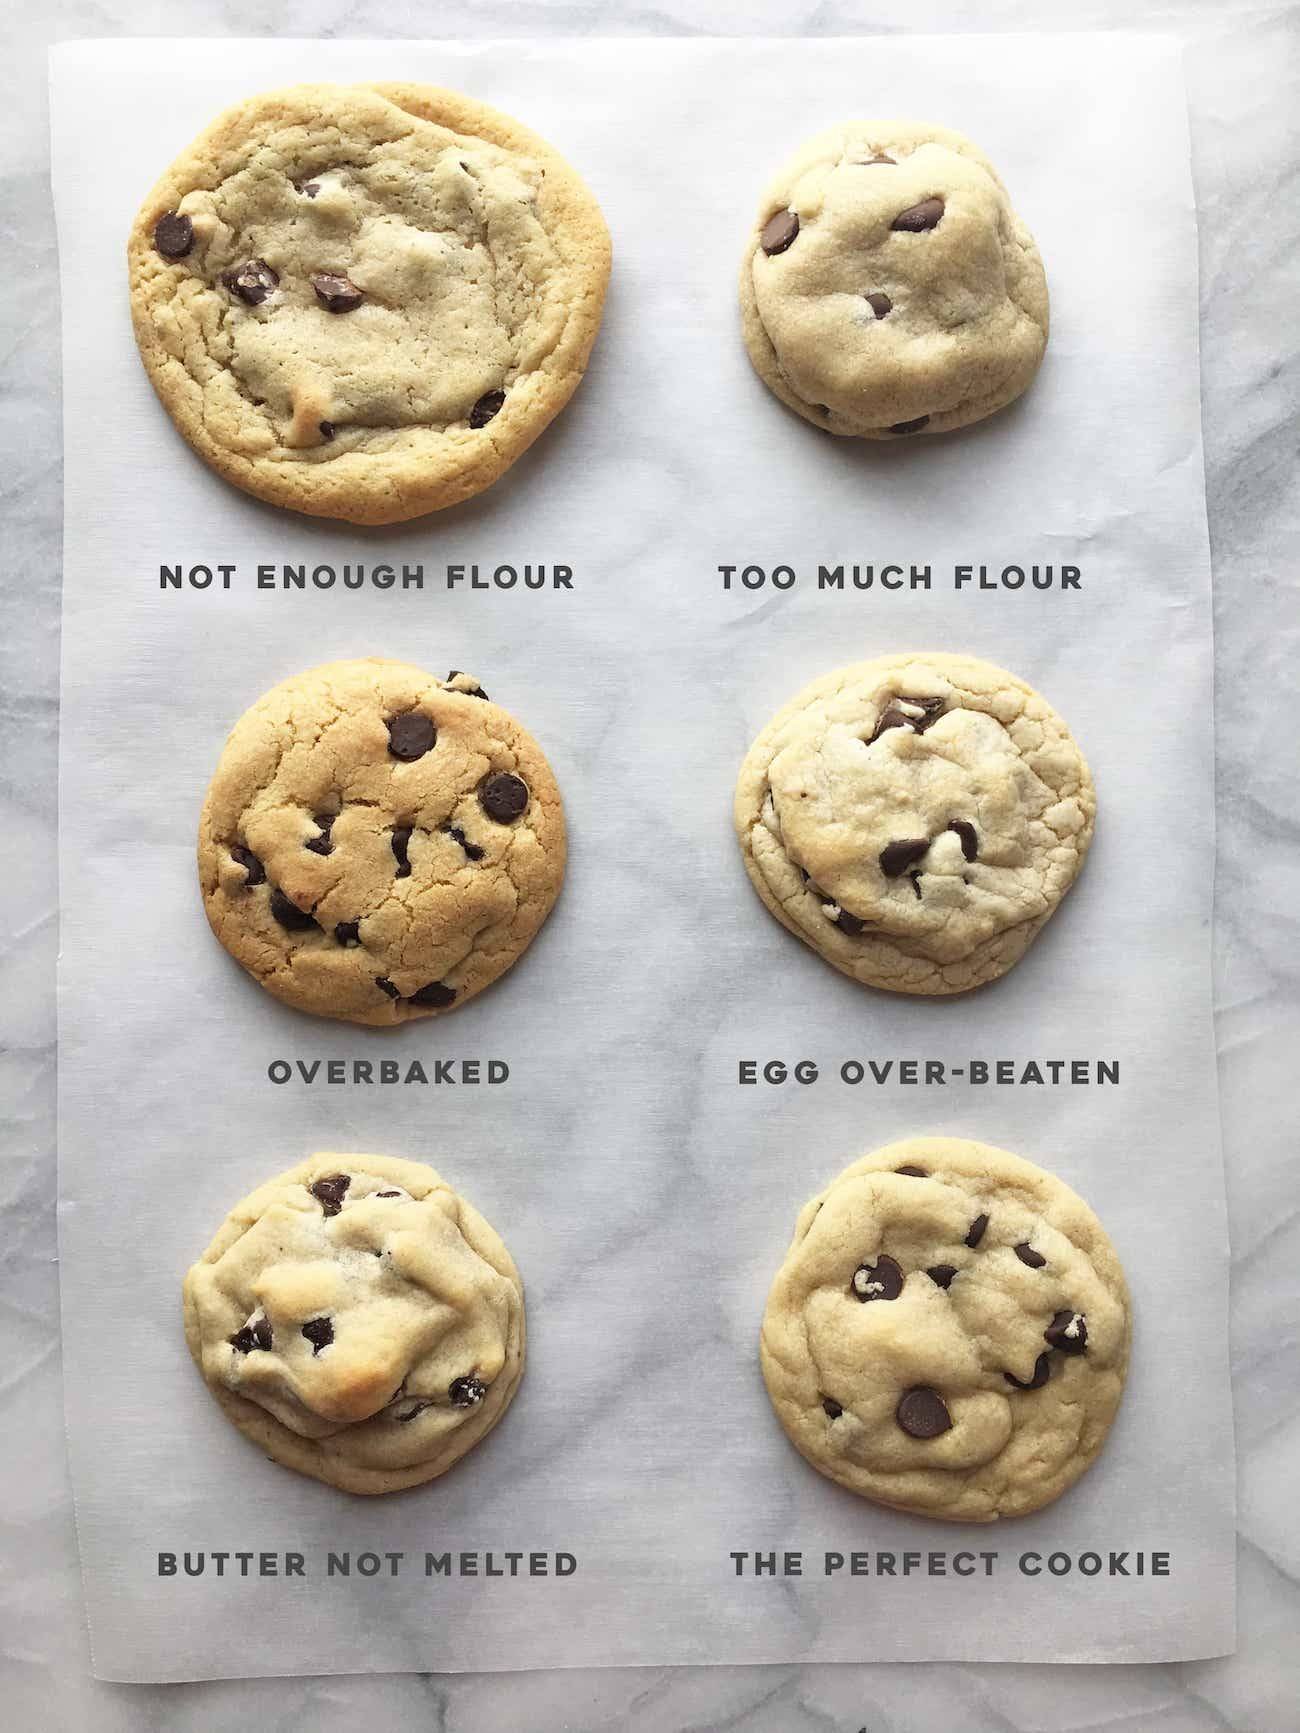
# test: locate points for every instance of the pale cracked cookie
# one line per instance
(915, 819)
(949, 1332)
(378, 845)
(358, 1321)
(366, 301)
(888, 287)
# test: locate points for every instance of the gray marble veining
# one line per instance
(1243, 75)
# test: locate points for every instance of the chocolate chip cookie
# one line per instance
(366, 301)
(358, 1321)
(888, 288)
(915, 819)
(949, 1332)
(378, 845)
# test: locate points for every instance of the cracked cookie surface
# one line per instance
(366, 301)
(378, 845)
(888, 288)
(358, 1321)
(916, 819)
(949, 1332)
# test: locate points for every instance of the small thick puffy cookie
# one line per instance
(949, 1332)
(366, 301)
(378, 845)
(915, 819)
(888, 287)
(358, 1321)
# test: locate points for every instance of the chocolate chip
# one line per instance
(850, 924)
(1042, 1372)
(173, 235)
(917, 218)
(503, 796)
(410, 736)
(309, 188)
(472, 850)
(467, 1392)
(245, 858)
(289, 915)
(415, 1409)
(256, 1334)
(348, 932)
(880, 304)
(388, 1194)
(896, 716)
(319, 1332)
(896, 857)
(322, 844)
(1027, 1255)
(832, 1407)
(437, 993)
(779, 232)
(336, 293)
(386, 986)
(400, 839)
(942, 1274)
(912, 1172)
(327, 430)
(252, 281)
(1067, 1331)
(910, 426)
(975, 1232)
(922, 1414)
(882, 1280)
(330, 1191)
(916, 885)
(491, 403)
(970, 842)
(474, 691)
(875, 161)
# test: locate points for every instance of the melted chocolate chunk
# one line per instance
(467, 1392)
(910, 426)
(436, 993)
(922, 1414)
(413, 1411)
(968, 836)
(942, 1274)
(386, 986)
(474, 691)
(322, 844)
(330, 1190)
(245, 858)
(327, 430)
(895, 716)
(882, 1280)
(917, 218)
(336, 293)
(256, 1334)
(491, 403)
(1027, 1255)
(833, 1408)
(896, 857)
(319, 1332)
(411, 735)
(850, 924)
(173, 235)
(252, 281)
(400, 841)
(912, 1172)
(472, 850)
(876, 162)
(503, 796)
(388, 1194)
(1042, 1372)
(309, 188)
(348, 932)
(1067, 1331)
(290, 916)
(975, 1233)
(880, 304)
(779, 232)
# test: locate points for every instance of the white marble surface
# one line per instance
(1243, 78)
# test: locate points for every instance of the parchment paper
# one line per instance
(645, 1194)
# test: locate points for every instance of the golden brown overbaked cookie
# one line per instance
(949, 1332)
(358, 1321)
(378, 845)
(888, 287)
(915, 819)
(366, 301)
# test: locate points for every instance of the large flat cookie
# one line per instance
(366, 301)
(949, 1332)
(378, 845)
(915, 819)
